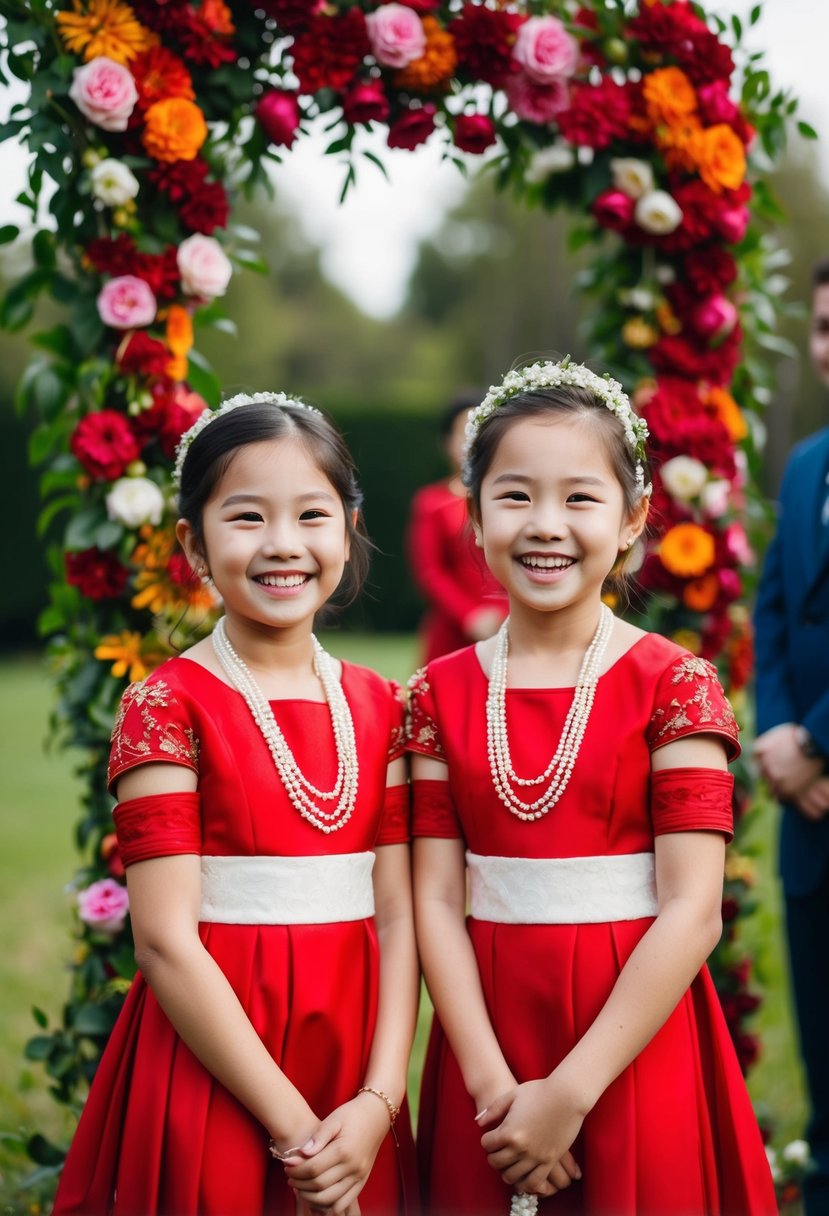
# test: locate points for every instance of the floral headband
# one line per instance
(552, 375)
(207, 416)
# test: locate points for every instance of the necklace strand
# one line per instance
(559, 770)
(303, 794)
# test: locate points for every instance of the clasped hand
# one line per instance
(532, 1129)
(330, 1169)
(791, 776)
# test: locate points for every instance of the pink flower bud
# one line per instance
(731, 223)
(715, 318)
(278, 114)
(614, 209)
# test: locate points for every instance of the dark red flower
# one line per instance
(141, 355)
(675, 32)
(279, 115)
(330, 52)
(206, 34)
(182, 408)
(730, 908)
(412, 127)
(484, 38)
(365, 101)
(597, 114)
(474, 133)
(678, 355)
(179, 178)
(121, 256)
(113, 256)
(206, 210)
(292, 16)
(158, 74)
(104, 443)
(164, 16)
(613, 209)
(180, 571)
(97, 573)
(709, 269)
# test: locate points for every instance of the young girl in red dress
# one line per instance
(573, 769)
(262, 817)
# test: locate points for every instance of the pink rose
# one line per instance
(735, 540)
(126, 303)
(474, 133)
(204, 266)
(412, 127)
(731, 586)
(104, 92)
(731, 223)
(278, 115)
(715, 318)
(365, 101)
(715, 105)
(396, 35)
(534, 102)
(104, 905)
(545, 50)
(614, 209)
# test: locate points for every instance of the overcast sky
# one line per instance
(369, 242)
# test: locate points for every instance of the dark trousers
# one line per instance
(807, 922)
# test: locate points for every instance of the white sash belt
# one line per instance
(562, 891)
(286, 890)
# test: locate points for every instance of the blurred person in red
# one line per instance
(464, 602)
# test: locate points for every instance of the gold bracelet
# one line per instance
(393, 1110)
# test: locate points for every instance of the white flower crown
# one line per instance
(551, 375)
(207, 416)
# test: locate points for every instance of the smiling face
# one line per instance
(274, 537)
(553, 517)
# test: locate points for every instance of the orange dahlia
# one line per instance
(669, 97)
(719, 157)
(104, 27)
(720, 403)
(687, 550)
(435, 66)
(174, 130)
(701, 593)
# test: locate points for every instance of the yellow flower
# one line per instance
(688, 639)
(739, 868)
(104, 27)
(125, 649)
(639, 333)
(687, 550)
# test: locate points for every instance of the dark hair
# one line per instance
(820, 273)
(213, 449)
(460, 404)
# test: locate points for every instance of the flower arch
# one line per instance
(151, 116)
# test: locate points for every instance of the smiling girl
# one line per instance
(259, 1062)
(573, 770)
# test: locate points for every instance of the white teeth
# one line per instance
(282, 580)
(547, 563)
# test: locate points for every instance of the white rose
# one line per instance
(204, 266)
(632, 177)
(796, 1152)
(716, 497)
(112, 182)
(558, 158)
(134, 501)
(658, 212)
(683, 477)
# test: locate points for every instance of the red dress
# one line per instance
(675, 1134)
(159, 1134)
(448, 569)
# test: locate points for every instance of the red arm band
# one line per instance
(395, 827)
(158, 825)
(692, 799)
(434, 811)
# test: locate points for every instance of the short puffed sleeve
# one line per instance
(421, 726)
(397, 736)
(151, 725)
(158, 825)
(689, 700)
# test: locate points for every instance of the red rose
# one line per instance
(278, 115)
(104, 443)
(141, 355)
(731, 223)
(207, 209)
(329, 53)
(597, 114)
(97, 573)
(484, 38)
(613, 209)
(474, 133)
(364, 102)
(412, 127)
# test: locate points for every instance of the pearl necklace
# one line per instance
(298, 788)
(560, 768)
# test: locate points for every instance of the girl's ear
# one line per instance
(187, 539)
(634, 524)
(475, 520)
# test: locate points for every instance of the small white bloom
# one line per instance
(796, 1152)
(665, 274)
(557, 158)
(633, 177)
(113, 182)
(639, 298)
(715, 497)
(134, 501)
(684, 477)
(658, 212)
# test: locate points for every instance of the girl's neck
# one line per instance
(546, 649)
(280, 660)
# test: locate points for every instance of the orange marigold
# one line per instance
(130, 654)
(437, 63)
(719, 157)
(669, 97)
(174, 130)
(165, 581)
(104, 27)
(179, 329)
(720, 402)
(701, 593)
(687, 550)
(674, 142)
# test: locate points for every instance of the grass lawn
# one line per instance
(39, 809)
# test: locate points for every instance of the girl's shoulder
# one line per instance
(364, 683)
(688, 697)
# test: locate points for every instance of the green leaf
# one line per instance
(737, 26)
(754, 17)
(375, 160)
(806, 130)
(80, 533)
(8, 232)
(39, 1047)
(202, 379)
(108, 534)
(250, 260)
(43, 1152)
(40, 1017)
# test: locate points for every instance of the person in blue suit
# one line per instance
(792, 748)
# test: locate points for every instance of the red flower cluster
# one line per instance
(599, 114)
(675, 32)
(97, 573)
(484, 38)
(329, 52)
(202, 205)
(201, 32)
(120, 255)
(105, 444)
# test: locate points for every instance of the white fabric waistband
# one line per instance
(562, 891)
(287, 890)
